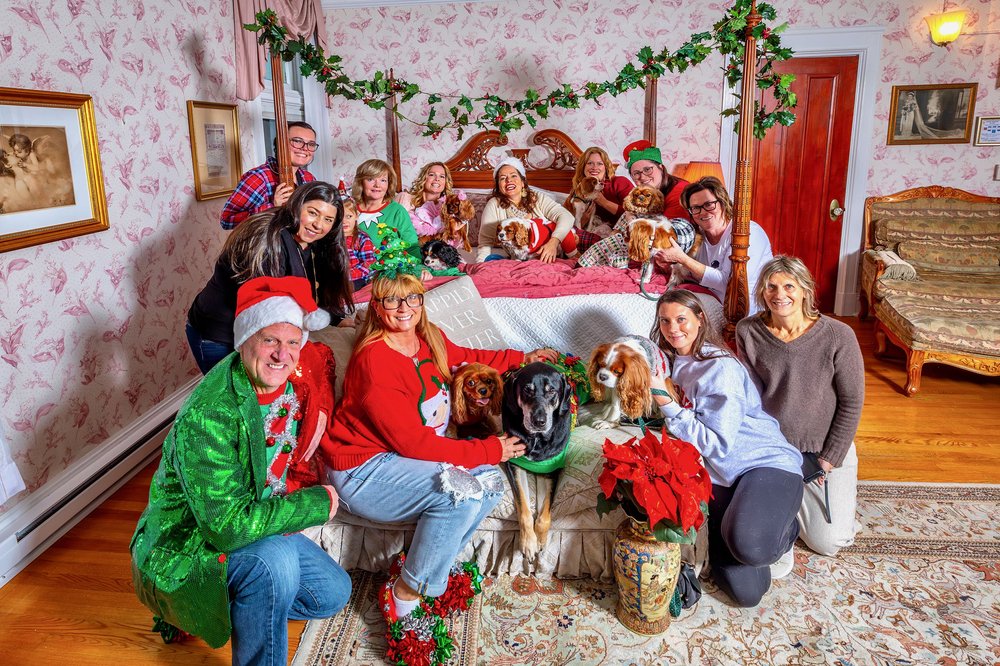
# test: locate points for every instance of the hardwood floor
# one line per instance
(75, 603)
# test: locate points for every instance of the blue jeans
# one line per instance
(277, 579)
(390, 489)
(206, 352)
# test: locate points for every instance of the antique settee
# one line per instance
(930, 275)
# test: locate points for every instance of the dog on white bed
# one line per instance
(621, 370)
(523, 238)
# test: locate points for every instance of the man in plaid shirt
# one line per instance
(259, 190)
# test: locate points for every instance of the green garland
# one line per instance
(494, 112)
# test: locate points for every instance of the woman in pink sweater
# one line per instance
(390, 461)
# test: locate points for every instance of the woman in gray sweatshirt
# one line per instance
(756, 474)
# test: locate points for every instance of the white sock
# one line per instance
(403, 608)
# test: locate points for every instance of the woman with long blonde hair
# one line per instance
(389, 459)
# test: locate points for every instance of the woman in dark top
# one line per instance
(303, 238)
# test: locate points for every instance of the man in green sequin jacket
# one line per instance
(217, 551)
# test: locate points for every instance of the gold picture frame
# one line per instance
(215, 148)
(51, 183)
(932, 114)
(987, 131)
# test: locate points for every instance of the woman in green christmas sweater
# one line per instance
(390, 461)
(375, 185)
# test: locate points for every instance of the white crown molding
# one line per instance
(355, 4)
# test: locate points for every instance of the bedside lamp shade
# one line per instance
(696, 170)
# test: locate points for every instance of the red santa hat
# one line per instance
(263, 301)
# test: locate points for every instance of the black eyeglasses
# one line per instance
(708, 207)
(393, 302)
(311, 146)
(645, 171)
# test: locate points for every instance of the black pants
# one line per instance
(750, 525)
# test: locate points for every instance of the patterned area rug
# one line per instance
(920, 586)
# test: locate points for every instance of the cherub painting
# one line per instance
(34, 168)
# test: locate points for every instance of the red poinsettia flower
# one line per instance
(660, 479)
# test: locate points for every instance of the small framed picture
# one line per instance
(928, 114)
(51, 185)
(215, 148)
(987, 131)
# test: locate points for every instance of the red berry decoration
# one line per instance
(270, 441)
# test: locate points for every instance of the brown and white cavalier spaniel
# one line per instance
(456, 214)
(477, 397)
(622, 369)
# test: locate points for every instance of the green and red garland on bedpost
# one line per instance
(494, 112)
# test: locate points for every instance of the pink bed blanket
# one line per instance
(533, 279)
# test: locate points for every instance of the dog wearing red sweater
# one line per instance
(523, 238)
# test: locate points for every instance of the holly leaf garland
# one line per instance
(493, 112)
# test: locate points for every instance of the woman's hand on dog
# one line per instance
(548, 252)
(660, 383)
(512, 447)
(543, 354)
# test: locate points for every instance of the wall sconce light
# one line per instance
(945, 28)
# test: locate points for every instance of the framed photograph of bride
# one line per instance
(51, 186)
(936, 113)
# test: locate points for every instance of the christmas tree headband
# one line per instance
(394, 258)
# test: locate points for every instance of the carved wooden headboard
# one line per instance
(471, 169)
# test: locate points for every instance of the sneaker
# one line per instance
(464, 583)
(417, 638)
(784, 565)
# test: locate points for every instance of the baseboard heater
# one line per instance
(94, 478)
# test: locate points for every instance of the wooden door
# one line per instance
(800, 170)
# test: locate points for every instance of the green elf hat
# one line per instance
(394, 258)
(641, 150)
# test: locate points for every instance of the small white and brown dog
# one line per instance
(623, 369)
(523, 238)
(649, 231)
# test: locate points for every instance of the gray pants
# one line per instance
(828, 538)
(750, 525)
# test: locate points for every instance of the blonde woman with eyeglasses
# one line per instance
(712, 210)
(387, 452)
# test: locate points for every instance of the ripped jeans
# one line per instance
(445, 502)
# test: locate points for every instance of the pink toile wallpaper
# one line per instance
(505, 48)
(92, 328)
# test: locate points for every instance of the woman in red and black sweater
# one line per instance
(390, 461)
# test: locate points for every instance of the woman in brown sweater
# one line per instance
(811, 377)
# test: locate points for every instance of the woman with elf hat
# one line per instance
(645, 166)
(217, 551)
(390, 461)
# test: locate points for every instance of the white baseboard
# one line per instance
(71, 495)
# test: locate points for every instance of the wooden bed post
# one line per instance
(649, 112)
(737, 299)
(392, 133)
(286, 174)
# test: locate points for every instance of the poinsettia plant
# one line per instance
(660, 481)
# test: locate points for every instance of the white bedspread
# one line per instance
(578, 324)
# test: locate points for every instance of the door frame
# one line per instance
(866, 43)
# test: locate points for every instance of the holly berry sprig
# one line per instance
(494, 112)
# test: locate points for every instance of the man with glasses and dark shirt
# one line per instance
(259, 188)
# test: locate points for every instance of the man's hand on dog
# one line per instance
(543, 354)
(512, 447)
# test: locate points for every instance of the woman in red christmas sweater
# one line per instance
(390, 461)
